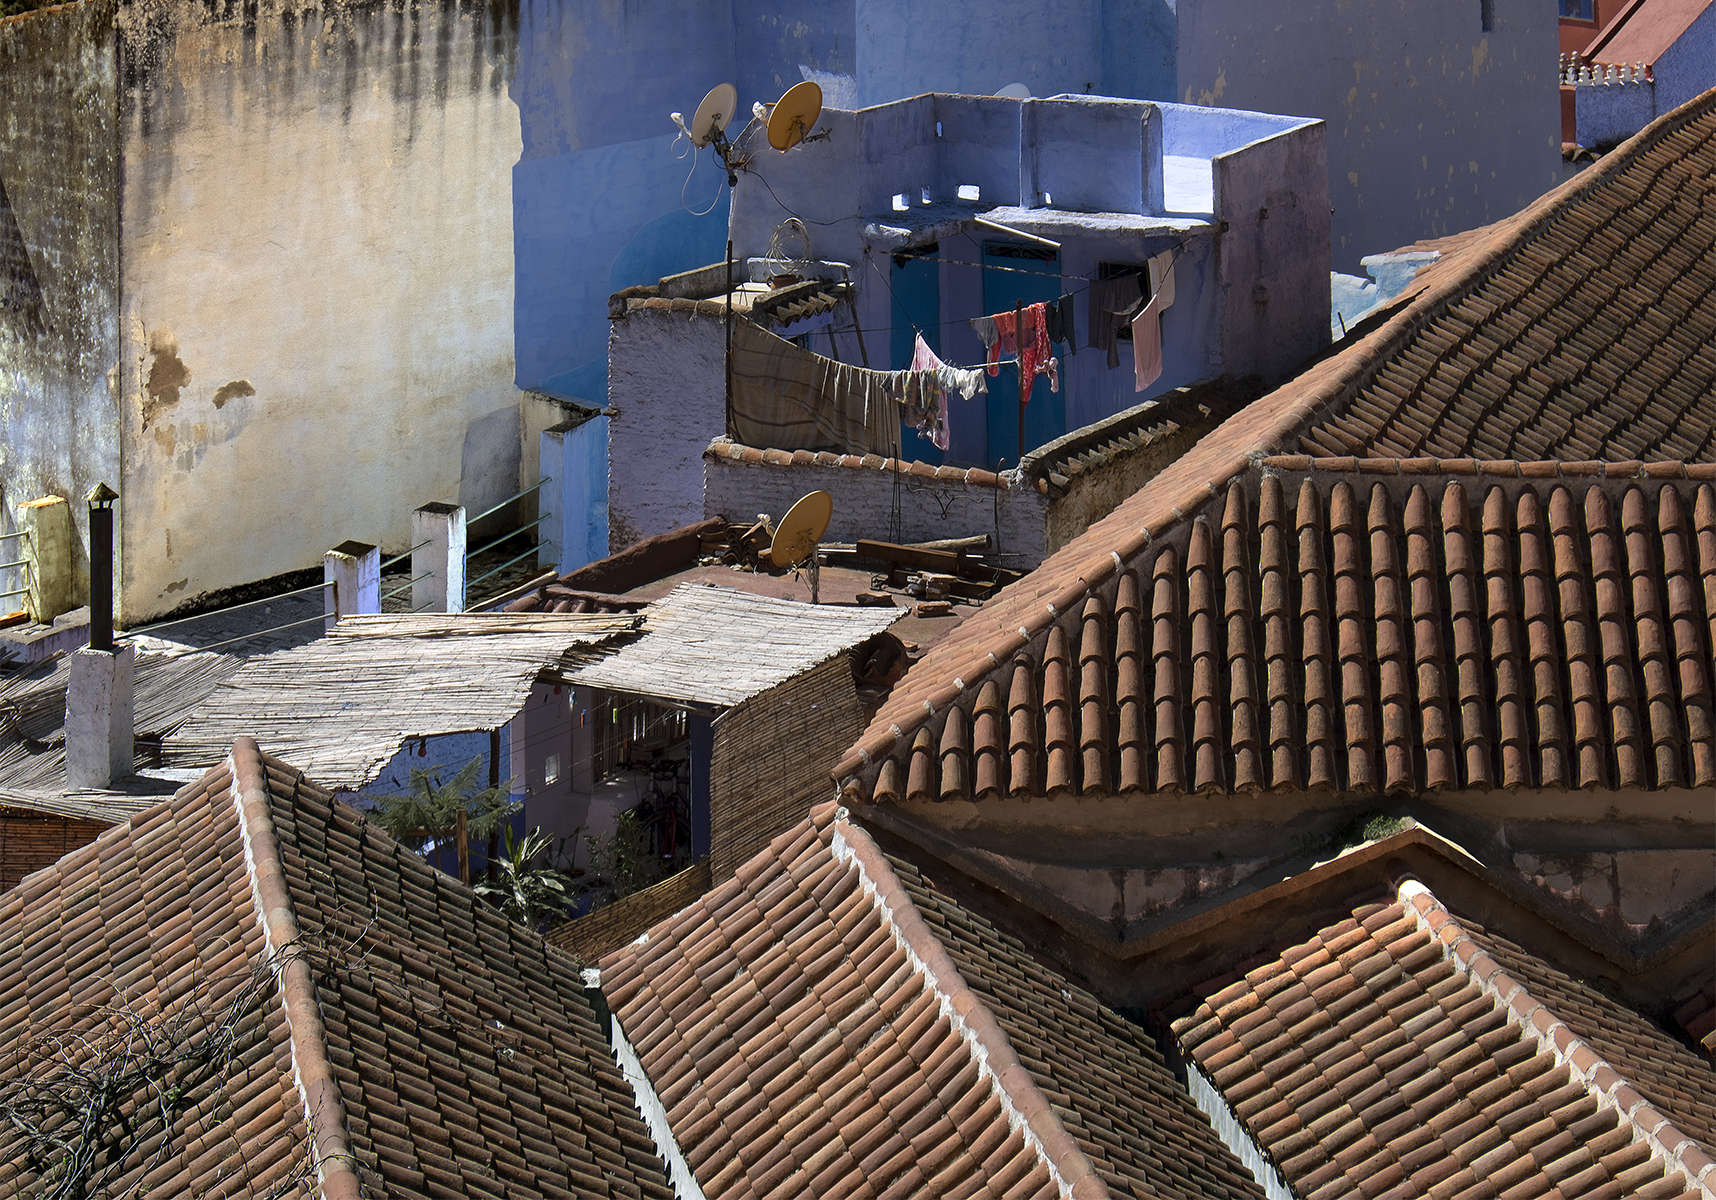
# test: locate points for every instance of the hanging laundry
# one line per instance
(984, 328)
(1147, 344)
(967, 381)
(1112, 303)
(938, 380)
(1161, 268)
(1030, 342)
(788, 398)
(1060, 322)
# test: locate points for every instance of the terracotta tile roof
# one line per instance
(387, 1029)
(1581, 329)
(826, 1023)
(1112, 1089)
(1643, 31)
(1610, 730)
(1403, 1053)
(1366, 626)
(726, 449)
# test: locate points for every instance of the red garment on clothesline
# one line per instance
(1033, 349)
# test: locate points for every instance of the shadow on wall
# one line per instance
(489, 461)
(565, 270)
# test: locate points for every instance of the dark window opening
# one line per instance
(1113, 270)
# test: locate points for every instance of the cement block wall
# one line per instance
(1273, 201)
(1015, 518)
(317, 263)
(667, 387)
(30, 841)
(59, 324)
(1094, 494)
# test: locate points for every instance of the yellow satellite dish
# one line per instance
(801, 529)
(794, 115)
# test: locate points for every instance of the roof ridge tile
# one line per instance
(312, 1069)
(1028, 1109)
(1670, 1146)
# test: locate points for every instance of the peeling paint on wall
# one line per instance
(231, 391)
(58, 266)
(167, 374)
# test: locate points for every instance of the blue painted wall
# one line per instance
(576, 496)
(1610, 113)
(1411, 92)
(1687, 68)
(1435, 124)
(1260, 176)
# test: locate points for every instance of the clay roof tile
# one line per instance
(1095, 660)
(989, 744)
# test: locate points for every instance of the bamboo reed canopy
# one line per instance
(717, 647)
(341, 707)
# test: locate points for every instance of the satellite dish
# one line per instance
(794, 116)
(801, 529)
(713, 114)
(1015, 91)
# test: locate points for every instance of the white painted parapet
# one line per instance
(354, 568)
(438, 558)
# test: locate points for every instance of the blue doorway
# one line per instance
(915, 306)
(1016, 274)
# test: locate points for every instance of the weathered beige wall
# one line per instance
(59, 212)
(317, 272)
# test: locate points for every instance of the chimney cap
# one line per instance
(101, 495)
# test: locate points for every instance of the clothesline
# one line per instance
(1137, 272)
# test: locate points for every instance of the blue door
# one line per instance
(1014, 274)
(915, 306)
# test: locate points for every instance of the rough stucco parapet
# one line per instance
(308, 282)
(58, 262)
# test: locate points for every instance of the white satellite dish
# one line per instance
(710, 119)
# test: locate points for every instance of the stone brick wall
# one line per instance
(59, 229)
(772, 759)
(1016, 518)
(30, 841)
(1094, 494)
